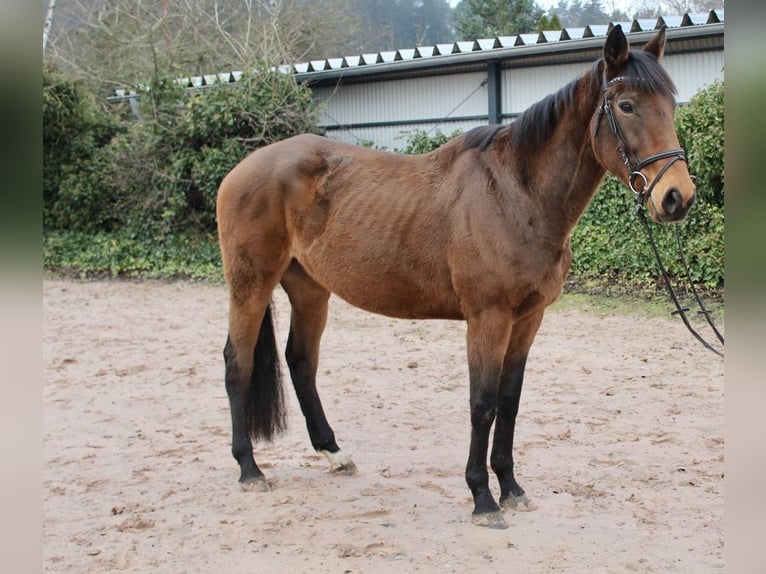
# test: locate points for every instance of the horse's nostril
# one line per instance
(672, 202)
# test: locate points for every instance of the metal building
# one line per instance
(381, 99)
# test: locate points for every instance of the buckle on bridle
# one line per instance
(632, 178)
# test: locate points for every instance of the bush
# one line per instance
(161, 174)
(220, 126)
(420, 142)
(610, 244)
(124, 253)
(140, 199)
(700, 129)
(75, 128)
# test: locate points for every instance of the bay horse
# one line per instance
(477, 230)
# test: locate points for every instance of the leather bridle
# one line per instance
(629, 158)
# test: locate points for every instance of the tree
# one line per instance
(124, 43)
(48, 22)
(490, 18)
(579, 13)
(393, 24)
(650, 9)
(549, 23)
(592, 13)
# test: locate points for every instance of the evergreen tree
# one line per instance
(582, 13)
(489, 18)
(394, 24)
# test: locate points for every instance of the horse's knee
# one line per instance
(229, 357)
(302, 366)
(293, 356)
(483, 409)
(476, 476)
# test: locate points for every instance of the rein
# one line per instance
(634, 168)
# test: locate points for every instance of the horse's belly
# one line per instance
(395, 291)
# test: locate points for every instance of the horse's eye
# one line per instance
(626, 107)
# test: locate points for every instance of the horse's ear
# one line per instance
(615, 50)
(656, 45)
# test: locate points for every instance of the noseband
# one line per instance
(629, 158)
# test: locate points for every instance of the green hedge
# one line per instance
(75, 130)
(124, 253)
(610, 244)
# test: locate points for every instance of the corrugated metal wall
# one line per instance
(383, 111)
(394, 138)
(386, 113)
(404, 100)
(523, 87)
(381, 99)
(692, 72)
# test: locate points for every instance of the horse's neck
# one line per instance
(572, 173)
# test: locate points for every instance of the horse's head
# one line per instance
(637, 141)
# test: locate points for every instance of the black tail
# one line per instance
(265, 402)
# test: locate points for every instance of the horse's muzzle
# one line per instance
(673, 204)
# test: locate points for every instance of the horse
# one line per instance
(476, 230)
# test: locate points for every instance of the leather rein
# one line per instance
(634, 167)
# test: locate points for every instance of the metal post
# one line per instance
(494, 93)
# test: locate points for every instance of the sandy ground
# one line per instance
(619, 444)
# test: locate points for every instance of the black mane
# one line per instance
(535, 125)
(480, 136)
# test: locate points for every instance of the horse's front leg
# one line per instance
(487, 340)
(509, 396)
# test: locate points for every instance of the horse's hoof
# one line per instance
(490, 520)
(340, 463)
(345, 469)
(257, 484)
(520, 503)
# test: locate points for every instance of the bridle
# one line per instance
(634, 167)
(629, 158)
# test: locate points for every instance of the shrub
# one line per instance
(420, 142)
(125, 253)
(74, 129)
(161, 174)
(700, 129)
(610, 244)
(139, 197)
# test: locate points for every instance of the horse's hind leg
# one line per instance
(309, 302)
(253, 382)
